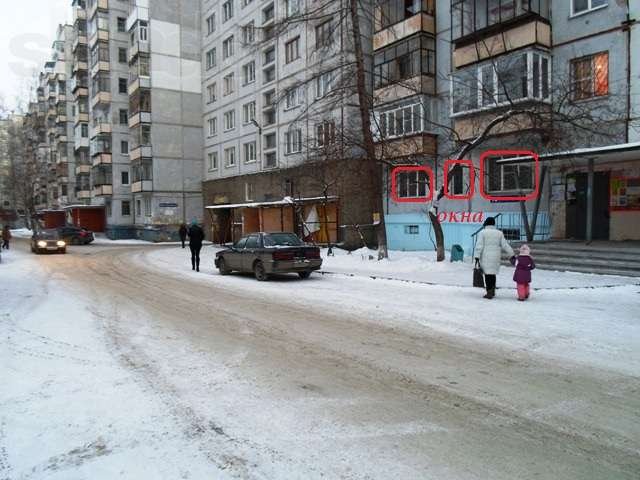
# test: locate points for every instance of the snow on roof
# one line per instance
(69, 207)
(284, 201)
(582, 152)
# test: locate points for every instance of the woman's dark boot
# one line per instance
(490, 294)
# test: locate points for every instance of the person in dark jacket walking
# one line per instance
(6, 237)
(196, 237)
(183, 233)
(522, 276)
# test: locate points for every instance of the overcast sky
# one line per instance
(27, 30)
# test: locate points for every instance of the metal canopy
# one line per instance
(275, 203)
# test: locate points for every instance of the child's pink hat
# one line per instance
(524, 249)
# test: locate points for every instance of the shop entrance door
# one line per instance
(577, 207)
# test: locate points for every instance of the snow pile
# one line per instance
(21, 233)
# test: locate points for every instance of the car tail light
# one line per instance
(283, 255)
(315, 253)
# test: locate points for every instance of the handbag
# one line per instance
(478, 275)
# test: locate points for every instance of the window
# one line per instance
(269, 55)
(412, 229)
(248, 197)
(213, 126)
(249, 152)
(292, 50)
(269, 74)
(138, 207)
(211, 24)
(143, 31)
(227, 10)
(293, 141)
(268, 13)
(270, 160)
(405, 59)
(292, 7)
(211, 58)
(228, 84)
(124, 177)
(122, 85)
(248, 33)
(227, 47)
(249, 73)
(122, 24)
(270, 141)
(590, 76)
(122, 55)
(509, 177)
(211, 93)
(147, 206)
(107, 207)
(412, 184)
(84, 130)
(124, 116)
(213, 160)
(510, 79)
(325, 133)
(583, 6)
(323, 84)
(249, 112)
(229, 120)
(402, 120)
(124, 147)
(323, 34)
(292, 98)
(125, 208)
(230, 156)
(392, 12)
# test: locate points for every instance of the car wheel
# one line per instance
(259, 272)
(222, 267)
(304, 275)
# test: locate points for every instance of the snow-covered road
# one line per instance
(119, 362)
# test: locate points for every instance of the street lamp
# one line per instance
(257, 125)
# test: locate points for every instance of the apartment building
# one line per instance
(277, 109)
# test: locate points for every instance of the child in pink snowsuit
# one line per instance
(522, 276)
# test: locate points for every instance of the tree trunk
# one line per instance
(437, 231)
(374, 169)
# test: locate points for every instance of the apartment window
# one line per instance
(269, 117)
(249, 112)
(248, 33)
(403, 60)
(211, 58)
(124, 147)
(230, 156)
(229, 120)
(211, 92)
(392, 12)
(268, 13)
(125, 206)
(412, 229)
(248, 192)
(227, 47)
(324, 34)
(269, 55)
(122, 85)
(147, 206)
(124, 177)
(590, 76)
(270, 141)
(228, 84)
(502, 82)
(99, 53)
(249, 151)
(227, 10)
(211, 24)
(412, 184)
(293, 141)
(269, 74)
(509, 177)
(213, 126)
(249, 73)
(292, 7)
(292, 97)
(138, 207)
(270, 160)
(402, 120)
(269, 99)
(582, 6)
(292, 50)
(122, 55)
(323, 84)
(84, 130)
(122, 24)
(212, 158)
(124, 116)
(107, 207)
(325, 133)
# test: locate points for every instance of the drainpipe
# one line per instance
(589, 228)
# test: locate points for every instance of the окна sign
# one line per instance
(461, 217)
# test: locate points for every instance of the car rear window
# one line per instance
(281, 239)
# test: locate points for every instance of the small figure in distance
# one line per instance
(182, 231)
(522, 276)
(196, 237)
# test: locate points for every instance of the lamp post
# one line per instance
(259, 152)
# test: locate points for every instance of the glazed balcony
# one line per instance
(80, 143)
(94, 5)
(397, 20)
(81, 118)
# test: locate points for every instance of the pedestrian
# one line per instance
(6, 236)
(491, 244)
(182, 231)
(522, 276)
(196, 236)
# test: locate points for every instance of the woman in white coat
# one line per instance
(491, 244)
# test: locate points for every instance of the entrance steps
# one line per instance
(599, 257)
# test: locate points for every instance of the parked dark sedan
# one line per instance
(73, 235)
(268, 253)
(48, 241)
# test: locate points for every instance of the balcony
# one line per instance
(79, 82)
(101, 66)
(83, 194)
(101, 127)
(102, 190)
(61, 117)
(137, 82)
(142, 186)
(138, 47)
(137, 13)
(141, 151)
(98, 36)
(80, 40)
(61, 97)
(101, 159)
(81, 118)
(79, 13)
(101, 98)
(83, 169)
(95, 5)
(80, 143)
(80, 65)
(397, 20)
(138, 118)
